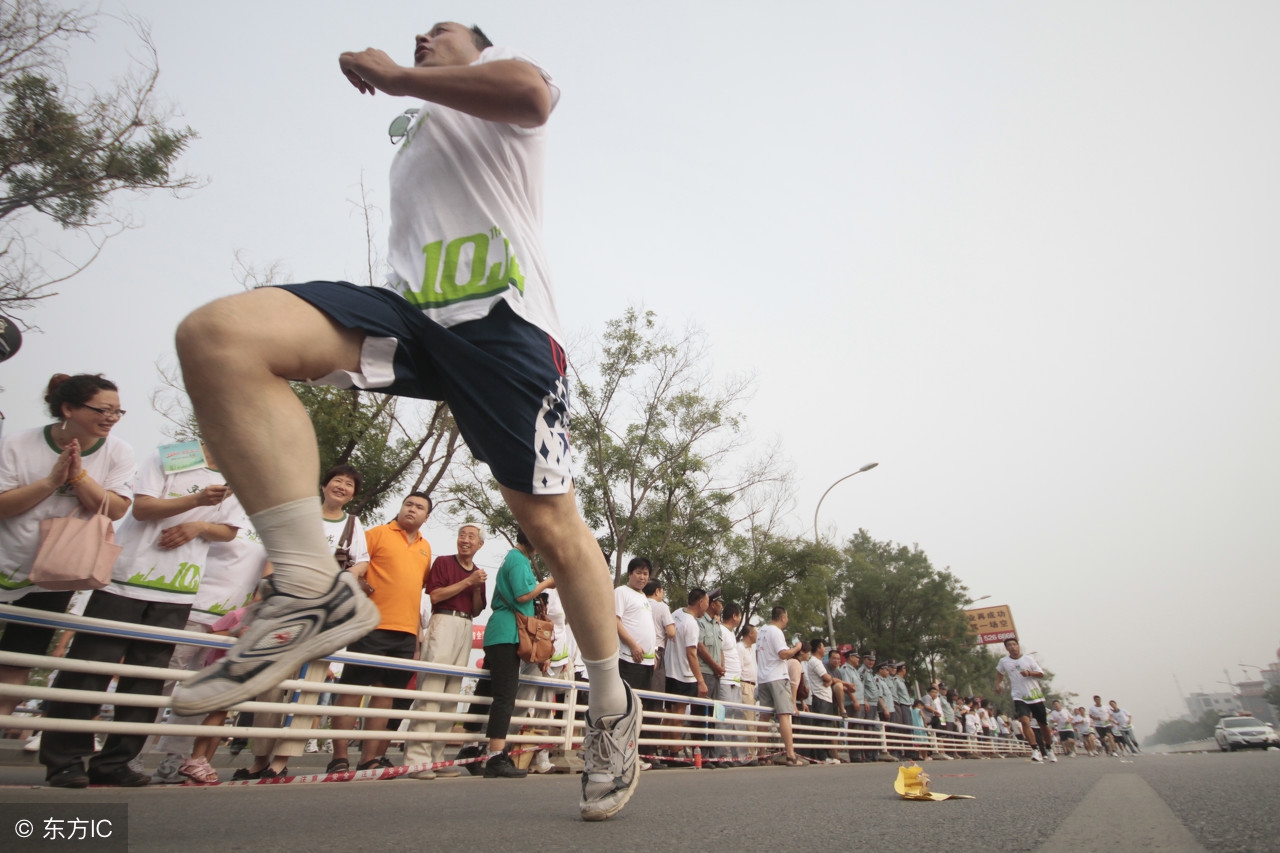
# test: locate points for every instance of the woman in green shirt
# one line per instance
(514, 591)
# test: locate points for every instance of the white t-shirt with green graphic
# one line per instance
(466, 214)
(1020, 686)
(145, 570)
(27, 456)
(232, 570)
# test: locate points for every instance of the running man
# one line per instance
(1061, 720)
(467, 317)
(1024, 674)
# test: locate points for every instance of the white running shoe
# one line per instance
(1053, 757)
(1036, 757)
(286, 632)
(32, 744)
(542, 764)
(612, 756)
(167, 773)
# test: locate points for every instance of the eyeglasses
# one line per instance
(115, 414)
(399, 128)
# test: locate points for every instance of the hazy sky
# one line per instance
(1022, 255)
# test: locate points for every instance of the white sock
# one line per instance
(607, 697)
(299, 552)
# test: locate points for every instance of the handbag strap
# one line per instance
(348, 532)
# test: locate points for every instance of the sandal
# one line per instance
(338, 765)
(375, 763)
(795, 761)
(199, 771)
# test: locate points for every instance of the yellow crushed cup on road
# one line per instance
(913, 784)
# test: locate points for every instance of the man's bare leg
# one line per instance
(237, 355)
(610, 748)
(555, 527)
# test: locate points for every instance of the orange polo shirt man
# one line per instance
(399, 562)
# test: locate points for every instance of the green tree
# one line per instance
(895, 601)
(1183, 731)
(65, 154)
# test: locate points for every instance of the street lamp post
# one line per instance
(831, 628)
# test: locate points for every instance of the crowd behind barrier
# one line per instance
(559, 722)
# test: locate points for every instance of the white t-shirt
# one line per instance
(1061, 720)
(814, 669)
(661, 619)
(28, 456)
(1120, 717)
(769, 642)
(729, 651)
(358, 550)
(632, 609)
(1099, 715)
(676, 657)
(559, 633)
(466, 214)
(747, 656)
(145, 570)
(1020, 686)
(232, 570)
(1080, 722)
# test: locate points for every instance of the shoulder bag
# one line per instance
(76, 553)
(535, 636)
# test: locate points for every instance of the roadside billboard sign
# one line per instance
(991, 624)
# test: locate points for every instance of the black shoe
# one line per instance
(268, 773)
(475, 768)
(237, 744)
(244, 774)
(658, 765)
(69, 777)
(501, 766)
(376, 763)
(122, 777)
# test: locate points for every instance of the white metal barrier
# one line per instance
(728, 733)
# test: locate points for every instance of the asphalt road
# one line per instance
(1165, 803)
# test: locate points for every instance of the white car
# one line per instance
(1234, 733)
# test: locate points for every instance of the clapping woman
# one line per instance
(51, 472)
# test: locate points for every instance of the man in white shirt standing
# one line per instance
(774, 689)
(684, 676)
(747, 656)
(635, 626)
(1024, 674)
(730, 689)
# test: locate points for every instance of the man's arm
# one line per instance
(506, 90)
(691, 652)
(705, 655)
(474, 582)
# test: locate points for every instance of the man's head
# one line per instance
(638, 573)
(749, 635)
(340, 484)
(715, 603)
(817, 648)
(934, 691)
(731, 616)
(414, 510)
(1097, 700)
(697, 601)
(449, 43)
(470, 540)
(883, 669)
(1115, 706)
(869, 659)
(655, 590)
(902, 670)
(1013, 647)
(778, 616)
(1057, 705)
(852, 658)
(835, 658)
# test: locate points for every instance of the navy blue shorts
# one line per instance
(502, 377)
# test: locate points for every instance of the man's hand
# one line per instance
(637, 652)
(477, 578)
(702, 689)
(369, 70)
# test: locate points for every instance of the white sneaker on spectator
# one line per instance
(542, 764)
(312, 746)
(167, 773)
(32, 744)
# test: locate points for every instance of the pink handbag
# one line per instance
(75, 552)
